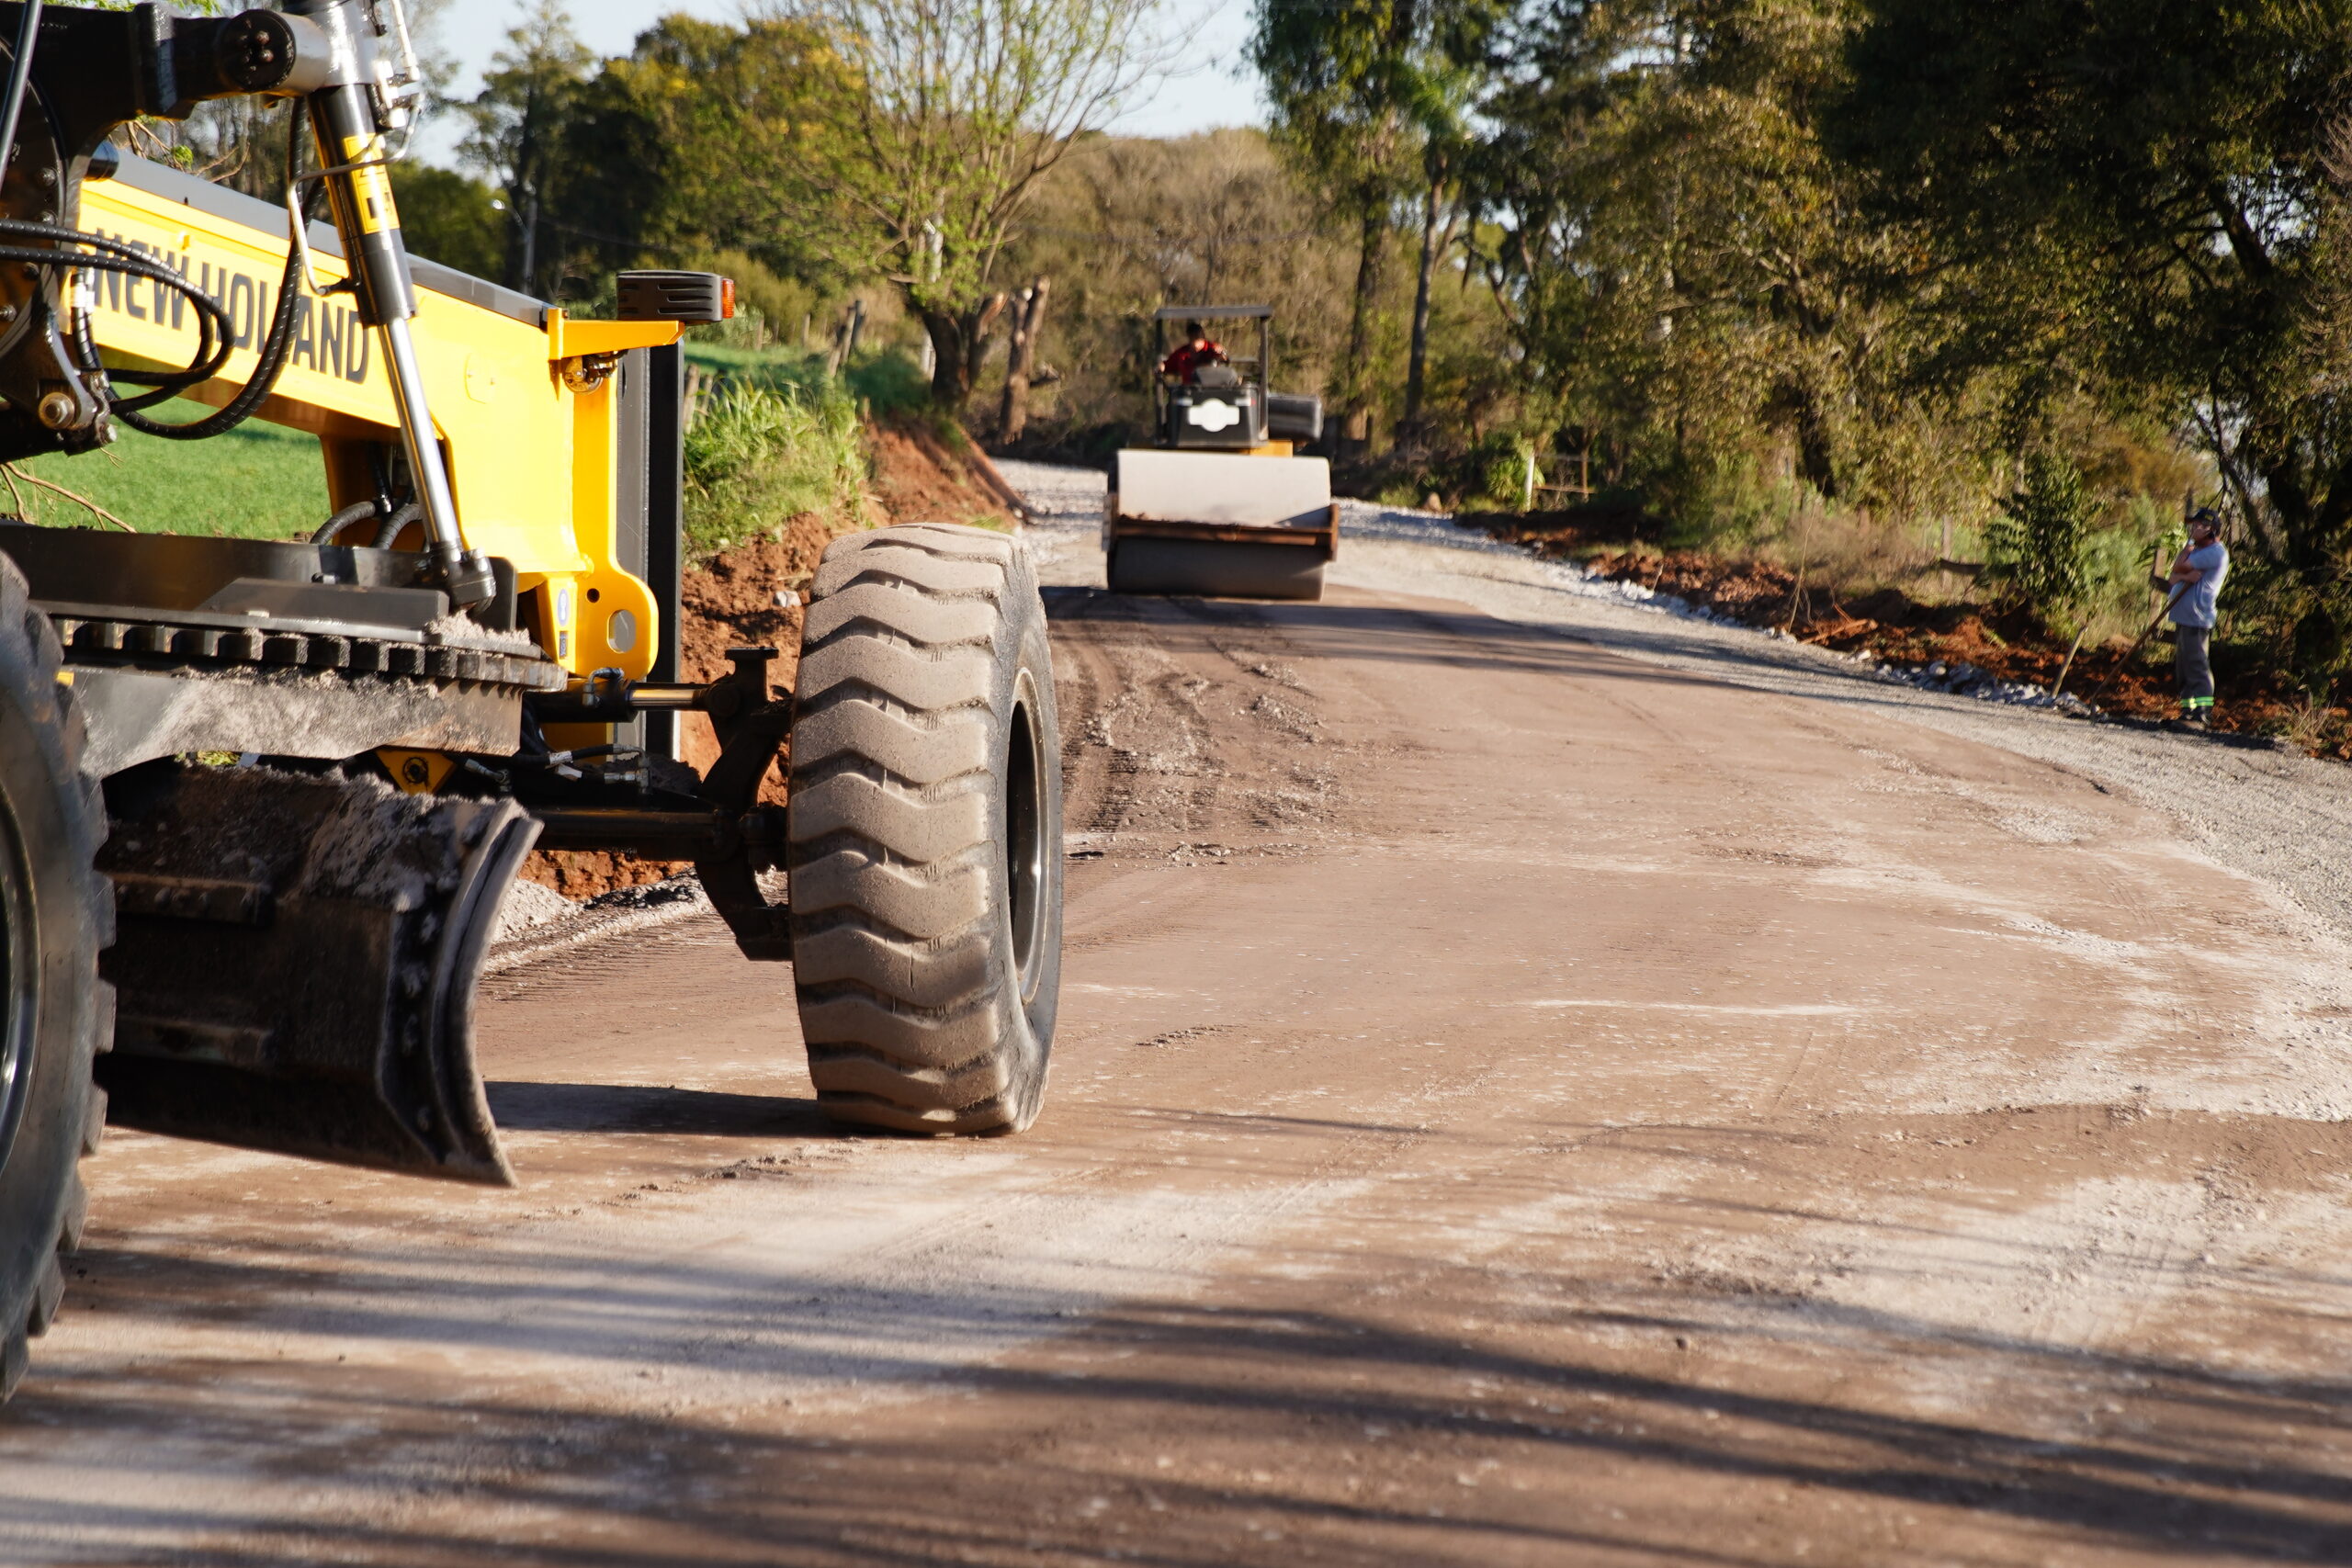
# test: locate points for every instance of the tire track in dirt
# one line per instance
(1193, 723)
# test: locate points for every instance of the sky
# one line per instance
(1217, 90)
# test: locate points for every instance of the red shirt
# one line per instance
(1186, 362)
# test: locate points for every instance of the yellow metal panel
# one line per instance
(567, 338)
(336, 368)
(418, 773)
(531, 461)
(618, 623)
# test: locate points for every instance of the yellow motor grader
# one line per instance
(260, 802)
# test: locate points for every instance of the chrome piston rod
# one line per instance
(423, 449)
(353, 155)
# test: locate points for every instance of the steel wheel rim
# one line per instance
(1025, 847)
(19, 981)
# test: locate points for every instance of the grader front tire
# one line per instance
(924, 840)
(56, 916)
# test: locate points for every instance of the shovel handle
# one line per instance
(2139, 642)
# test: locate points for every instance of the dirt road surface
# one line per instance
(1515, 1105)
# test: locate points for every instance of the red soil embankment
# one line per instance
(1889, 624)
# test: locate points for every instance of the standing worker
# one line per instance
(2197, 573)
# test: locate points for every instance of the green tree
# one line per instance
(703, 140)
(1369, 97)
(519, 119)
(1457, 71)
(961, 106)
(1681, 253)
(2144, 198)
(2038, 543)
(450, 217)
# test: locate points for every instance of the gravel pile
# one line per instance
(2276, 816)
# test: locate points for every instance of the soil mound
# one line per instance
(919, 477)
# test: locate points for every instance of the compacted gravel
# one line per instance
(2276, 815)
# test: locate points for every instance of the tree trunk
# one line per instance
(1816, 446)
(957, 344)
(1408, 428)
(529, 282)
(1372, 278)
(2310, 506)
(1020, 360)
(524, 184)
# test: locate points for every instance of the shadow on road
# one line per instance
(1582, 1455)
(1434, 636)
(1469, 639)
(620, 1107)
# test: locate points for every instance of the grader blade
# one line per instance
(296, 962)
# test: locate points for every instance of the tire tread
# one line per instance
(889, 829)
(60, 732)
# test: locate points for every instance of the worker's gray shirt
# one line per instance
(2195, 605)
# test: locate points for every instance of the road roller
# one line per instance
(1221, 504)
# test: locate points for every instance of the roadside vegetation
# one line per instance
(761, 451)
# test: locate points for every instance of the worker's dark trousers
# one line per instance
(2194, 664)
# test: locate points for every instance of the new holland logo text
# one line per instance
(328, 338)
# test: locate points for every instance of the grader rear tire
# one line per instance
(924, 841)
(56, 915)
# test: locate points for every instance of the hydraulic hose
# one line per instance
(107, 255)
(277, 349)
(331, 531)
(388, 526)
(215, 334)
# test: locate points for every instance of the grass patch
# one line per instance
(885, 383)
(760, 452)
(777, 438)
(258, 481)
(889, 383)
(766, 365)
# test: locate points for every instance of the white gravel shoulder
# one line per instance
(2276, 816)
